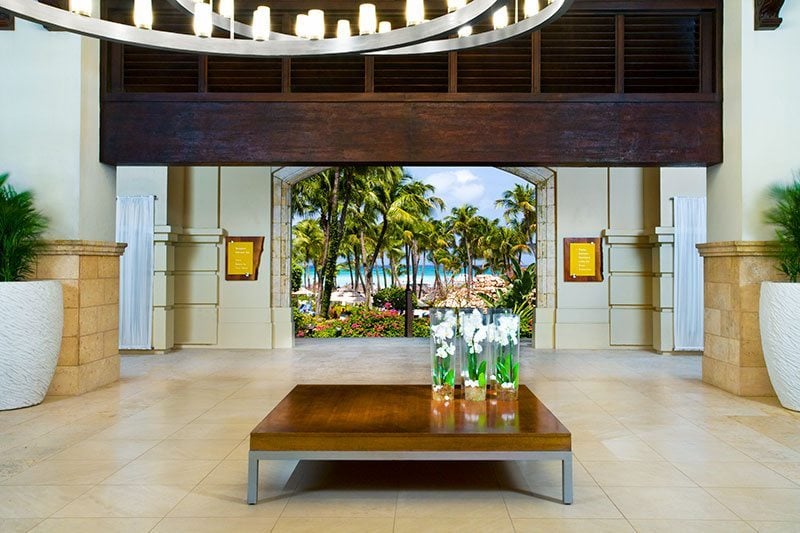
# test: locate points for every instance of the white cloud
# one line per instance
(457, 187)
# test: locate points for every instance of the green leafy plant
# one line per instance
(395, 296)
(297, 277)
(443, 336)
(507, 342)
(474, 333)
(519, 296)
(785, 216)
(21, 229)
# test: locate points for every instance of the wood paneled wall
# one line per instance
(611, 82)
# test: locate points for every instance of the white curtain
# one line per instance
(135, 227)
(690, 230)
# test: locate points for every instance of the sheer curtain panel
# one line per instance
(135, 227)
(690, 230)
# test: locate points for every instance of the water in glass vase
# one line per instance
(444, 326)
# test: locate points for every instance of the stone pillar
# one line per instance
(281, 274)
(732, 359)
(663, 242)
(89, 274)
(164, 238)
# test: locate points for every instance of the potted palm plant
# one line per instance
(779, 311)
(31, 312)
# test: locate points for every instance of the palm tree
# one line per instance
(464, 221)
(307, 243)
(520, 209)
(438, 242)
(329, 194)
(396, 199)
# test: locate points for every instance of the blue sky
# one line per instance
(479, 186)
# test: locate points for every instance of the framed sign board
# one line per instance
(242, 258)
(583, 259)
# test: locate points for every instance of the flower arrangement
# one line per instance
(505, 337)
(443, 348)
(474, 333)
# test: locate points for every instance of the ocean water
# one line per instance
(426, 276)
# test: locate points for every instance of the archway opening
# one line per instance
(371, 245)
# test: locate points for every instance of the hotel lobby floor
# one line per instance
(165, 450)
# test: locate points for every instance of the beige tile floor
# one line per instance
(165, 450)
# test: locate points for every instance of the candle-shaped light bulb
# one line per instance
(261, 24)
(316, 24)
(143, 14)
(531, 7)
(301, 26)
(465, 31)
(343, 29)
(385, 26)
(81, 7)
(202, 20)
(367, 19)
(225, 8)
(452, 5)
(415, 12)
(500, 18)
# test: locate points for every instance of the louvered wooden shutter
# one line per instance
(578, 55)
(662, 53)
(500, 68)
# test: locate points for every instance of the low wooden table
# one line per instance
(401, 422)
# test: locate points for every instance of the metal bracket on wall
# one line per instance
(767, 14)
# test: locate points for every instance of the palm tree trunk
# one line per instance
(421, 277)
(337, 234)
(350, 270)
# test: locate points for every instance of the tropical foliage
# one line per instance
(785, 216)
(392, 298)
(384, 227)
(358, 321)
(21, 228)
(519, 296)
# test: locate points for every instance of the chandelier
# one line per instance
(449, 32)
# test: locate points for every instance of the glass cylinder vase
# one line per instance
(444, 328)
(505, 355)
(475, 359)
(491, 378)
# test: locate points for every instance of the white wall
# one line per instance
(631, 210)
(760, 121)
(581, 211)
(49, 135)
(245, 209)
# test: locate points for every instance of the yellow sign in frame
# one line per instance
(583, 259)
(242, 258)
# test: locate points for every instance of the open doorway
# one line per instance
(370, 243)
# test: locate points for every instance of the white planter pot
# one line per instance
(779, 315)
(31, 322)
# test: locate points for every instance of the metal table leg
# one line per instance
(566, 479)
(252, 478)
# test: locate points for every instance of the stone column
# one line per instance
(732, 359)
(164, 238)
(281, 275)
(89, 274)
(663, 242)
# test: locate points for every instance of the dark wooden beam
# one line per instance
(525, 133)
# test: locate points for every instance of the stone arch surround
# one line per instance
(283, 178)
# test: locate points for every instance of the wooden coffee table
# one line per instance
(401, 422)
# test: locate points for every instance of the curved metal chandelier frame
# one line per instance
(422, 38)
